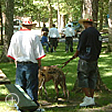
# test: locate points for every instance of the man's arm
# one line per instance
(73, 57)
(39, 63)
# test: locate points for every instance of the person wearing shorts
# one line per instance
(88, 50)
(69, 34)
(53, 37)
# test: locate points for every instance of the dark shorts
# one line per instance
(69, 41)
(54, 42)
(87, 74)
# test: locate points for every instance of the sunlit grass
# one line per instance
(57, 58)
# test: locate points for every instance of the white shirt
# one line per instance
(25, 46)
(53, 33)
(69, 32)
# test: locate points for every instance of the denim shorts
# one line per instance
(87, 74)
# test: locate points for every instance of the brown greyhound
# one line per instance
(47, 73)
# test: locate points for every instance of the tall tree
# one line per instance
(95, 11)
(1, 22)
(50, 13)
(110, 26)
(87, 7)
(101, 14)
(8, 27)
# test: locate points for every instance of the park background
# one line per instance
(60, 12)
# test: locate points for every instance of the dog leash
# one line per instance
(65, 63)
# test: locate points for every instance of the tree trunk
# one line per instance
(100, 84)
(95, 12)
(82, 2)
(50, 14)
(59, 17)
(110, 27)
(8, 28)
(87, 7)
(62, 21)
(101, 14)
(1, 22)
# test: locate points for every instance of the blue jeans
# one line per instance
(47, 46)
(27, 78)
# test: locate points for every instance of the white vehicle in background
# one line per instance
(17, 25)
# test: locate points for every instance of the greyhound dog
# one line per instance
(47, 73)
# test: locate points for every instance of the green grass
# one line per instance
(57, 58)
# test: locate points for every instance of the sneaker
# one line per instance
(40, 110)
(66, 51)
(87, 101)
(46, 51)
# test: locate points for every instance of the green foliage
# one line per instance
(35, 7)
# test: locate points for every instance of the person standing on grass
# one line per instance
(44, 41)
(88, 50)
(26, 49)
(44, 29)
(69, 34)
(53, 37)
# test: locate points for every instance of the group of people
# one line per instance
(27, 51)
(54, 36)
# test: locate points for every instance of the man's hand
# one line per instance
(39, 63)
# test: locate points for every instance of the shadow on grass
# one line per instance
(56, 58)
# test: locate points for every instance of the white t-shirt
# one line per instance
(69, 32)
(53, 33)
(25, 46)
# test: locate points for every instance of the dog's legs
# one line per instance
(45, 90)
(40, 91)
(40, 87)
(57, 90)
(63, 88)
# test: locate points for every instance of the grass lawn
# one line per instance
(102, 99)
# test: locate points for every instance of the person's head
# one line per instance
(53, 25)
(44, 25)
(86, 21)
(87, 24)
(69, 24)
(27, 26)
(27, 23)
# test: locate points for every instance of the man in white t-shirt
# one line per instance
(53, 37)
(69, 34)
(25, 48)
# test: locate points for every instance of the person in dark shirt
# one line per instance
(44, 29)
(88, 50)
(44, 41)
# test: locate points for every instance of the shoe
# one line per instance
(87, 101)
(51, 50)
(40, 110)
(46, 51)
(66, 52)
